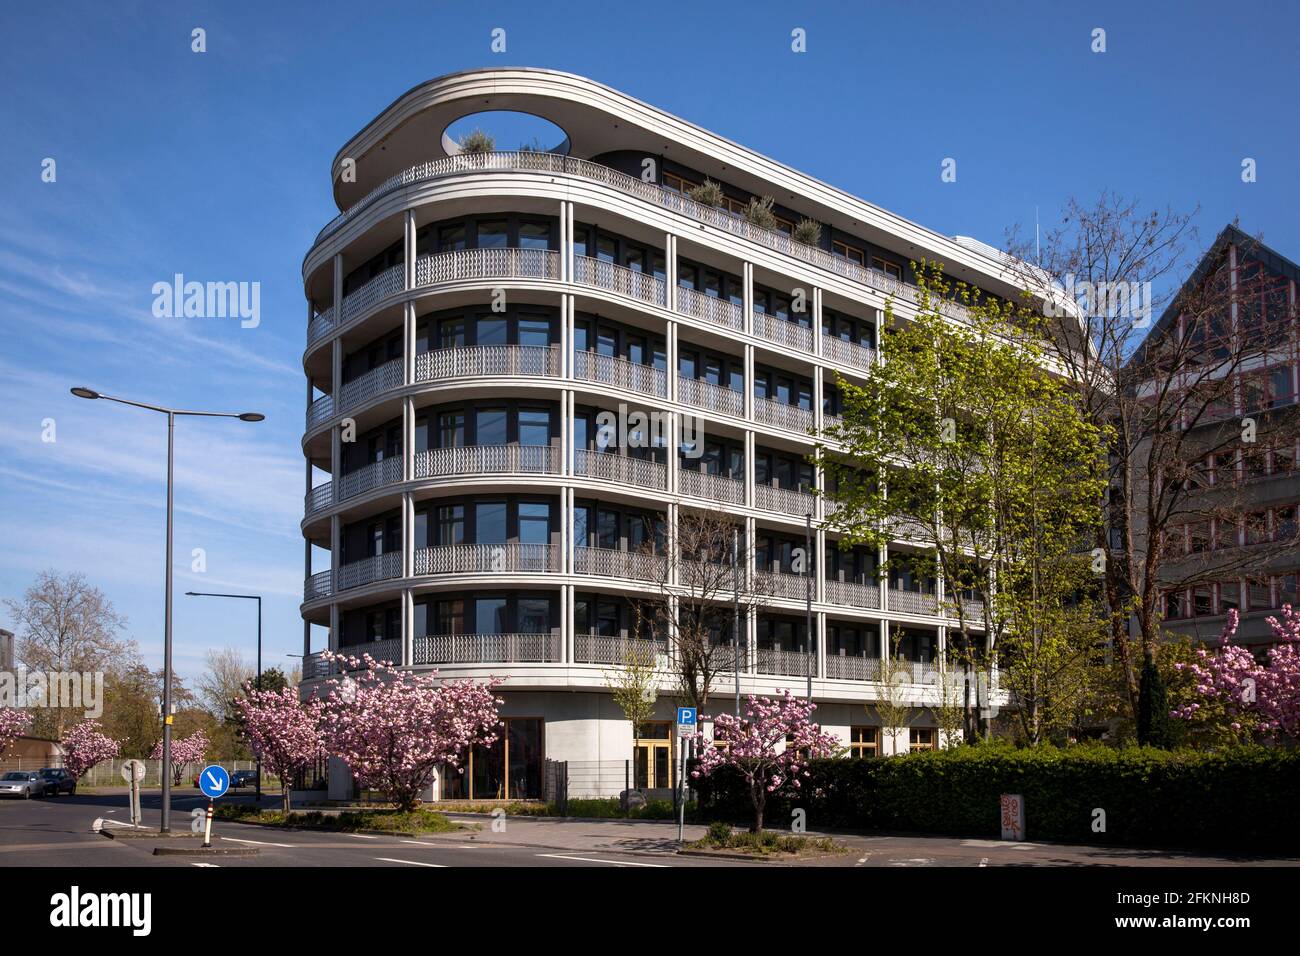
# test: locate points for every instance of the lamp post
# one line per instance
(258, 599)
(171, 413)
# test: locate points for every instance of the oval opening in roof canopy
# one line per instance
(505, 130)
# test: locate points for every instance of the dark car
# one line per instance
(57, 780)
(243, 778)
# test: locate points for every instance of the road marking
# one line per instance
(258, 842)
(389, 859)
(984, 861)
(588, 859)
(204, 864)
(914, 861)
(361, 836)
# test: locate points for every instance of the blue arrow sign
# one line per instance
(214, 781)
(685, 716)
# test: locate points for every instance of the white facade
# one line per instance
(370, 513)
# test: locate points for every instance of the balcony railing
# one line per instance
(851, 666)
(777, 660)
(629, 282)
(710, 309)
(972, 610)
(318, 499)
(488, 460)
(487, 648)
(624, 469)
(783, 332)
(611, 563)
(315, 666)
(320, 411)
(379, 567)
(510, 558)
(389, 282)
(371, 383)
(913, 602)
(716, 398)
(476, 361)
(389, 650)
(620, 373)
(852, 594)
(779, 584)
(486, 264)
(319, 585)
(600, 649)
(785, 500)
(847, 353)
(721, 219)
(320, 326)
(783, 415)
(699, 484)
(377, 473)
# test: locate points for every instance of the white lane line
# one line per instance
(389, 859)
(204, 864)
(588, 859)
(361, 836)
(984, 861)
(258, 842)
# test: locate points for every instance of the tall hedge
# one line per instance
(1241, 798)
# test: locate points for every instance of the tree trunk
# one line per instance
(285, 785)
(760, 800)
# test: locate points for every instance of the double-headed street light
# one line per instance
(258, 599)
(171, 414)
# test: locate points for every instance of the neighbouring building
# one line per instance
(470, 314)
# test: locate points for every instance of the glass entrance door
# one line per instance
(653, 766)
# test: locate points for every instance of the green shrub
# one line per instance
(809, 232)
(719, 832)
(759, 212)
(708, 193)
(1237, 798)
(477, 141)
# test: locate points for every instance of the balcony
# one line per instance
(710, 309)
(779, 584)
(486, 264)
(319, 585)
(379, 567)
(318, 499)
(487, 648)
(600, 274)
(715, 398)
(720, 219)
(612, 563)
(600, 649)
(478, 361)
(847, 353)
(320, 411)
(374, 475)
(380, 379)
(509, 558)
(783, 415)
(624, 469)
(387, 283)
(784, 500)
(699, 484)
(913, 602)
(842, 666)
(777, 660)
(853, 594)
(320, 326)
(620, 373)
(783, 332)
(487, 460)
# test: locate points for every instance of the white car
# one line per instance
(22, 783)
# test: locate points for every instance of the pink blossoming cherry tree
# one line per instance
(13, 724)
(187, 750)
(769, 746)
(394, 728)
(284, 732)
(86, 745)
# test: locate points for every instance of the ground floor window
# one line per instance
(864, 742)
(921, 738)
(509, 769)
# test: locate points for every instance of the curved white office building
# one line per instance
(470, 314)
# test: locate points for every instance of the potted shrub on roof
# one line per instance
(708, 193)
(759, 212)
(477, 141)
(809, 232)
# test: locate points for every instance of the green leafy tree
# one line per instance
(984, 461)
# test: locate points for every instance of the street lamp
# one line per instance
(258, 599)
(171, 413)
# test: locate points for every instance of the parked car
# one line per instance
(22, 783)
(243, 778)
(58, 780)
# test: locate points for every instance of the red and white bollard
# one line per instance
(207, 828)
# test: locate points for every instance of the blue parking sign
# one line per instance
(686, 717)
(214, 781)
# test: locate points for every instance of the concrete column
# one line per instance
(408, 344)
(819, 542)
(408, 628)
(670, 271)
(567, 309)
(819, 624)
(566, 623)
(566, 243)
(336, 372)
(670, 348)
(674, 513)
(747, 293)
(817, 322)
(673, 455)
(749, 382)
(408, 235)
(335, 637)
(408, 534)
(750, 452)
(571, 251)
(338, 289)
(408, 438)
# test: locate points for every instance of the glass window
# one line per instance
(607, 529)
(490, 616)
(843, 250)
(534, 235)
(1229, 597)
(451, 430)
(451, 238)
(449, 617)
(921, 738)
(490, 522)
(864, 742)
(534, 522)
(451, 333)
(605, 248)
(524, 758)
(534, 615)
(581, 517)
(887, 267)
(607, 623)
(534, 332)
(493, 234)
(490, 330)
(490, 426)
(450, 525)
(534, 426)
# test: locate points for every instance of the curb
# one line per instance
(147, 835)
(205, 851)
(367, 832)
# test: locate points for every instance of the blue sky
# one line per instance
(216, 165)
